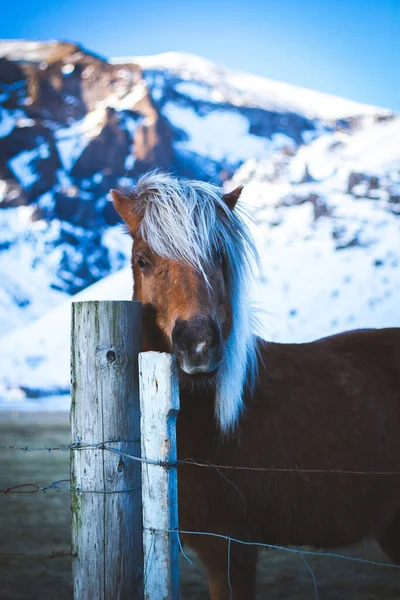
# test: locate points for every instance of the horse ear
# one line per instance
(231, 198)
(123, 204)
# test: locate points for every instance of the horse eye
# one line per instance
(141, 262)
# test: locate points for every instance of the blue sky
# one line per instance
(346, 47)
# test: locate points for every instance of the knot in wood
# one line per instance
(111, 356)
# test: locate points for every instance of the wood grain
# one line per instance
(159, 406)
(106, 527)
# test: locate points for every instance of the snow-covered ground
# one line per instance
(37, 356)
(330, 255)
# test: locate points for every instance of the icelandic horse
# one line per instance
(330, 407)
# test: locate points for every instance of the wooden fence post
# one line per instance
(159, 406)
(106, 503)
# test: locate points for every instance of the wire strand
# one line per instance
(79, 445)
(58, 487)
(277, 547)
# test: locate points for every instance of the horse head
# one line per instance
(189, 266)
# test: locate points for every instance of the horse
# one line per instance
(312, 430)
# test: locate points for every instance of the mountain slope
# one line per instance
(73, 125)
(328, 228)
(326, 220)
(200, 78)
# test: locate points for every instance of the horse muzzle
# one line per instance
(197, 346)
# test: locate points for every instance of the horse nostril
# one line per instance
(181, 336)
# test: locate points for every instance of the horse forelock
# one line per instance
(189, 221)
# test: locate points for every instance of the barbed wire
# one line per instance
(27, 449)
(70, 446)
(104, 445)
(78, 445)
(58, 487)
(20, 488)
(53, 554)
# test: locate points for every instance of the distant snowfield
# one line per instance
(38, 355)
(243, 88)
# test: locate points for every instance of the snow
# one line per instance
(23, 164)
(309, 289)
(35, 51)
(373, 149)
(72, 140)
(3, 189)
(219, 135)
(129, 100)
(313, 156)
(26, 292)
(241, 88)
(40, 351)
(68, 69)
(7, 122)
(196, 91)
(119, 245)
(339, 270)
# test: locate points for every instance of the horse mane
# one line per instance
(189, 221)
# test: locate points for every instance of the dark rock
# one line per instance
(354, 179)
(106, 152)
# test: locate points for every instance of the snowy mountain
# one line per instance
(326, 219)
(200, 79)
(322, 192)
(73, 125)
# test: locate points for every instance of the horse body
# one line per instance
(320, 423)
(333, 404)
(317, 407)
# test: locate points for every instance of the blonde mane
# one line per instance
(189, 221)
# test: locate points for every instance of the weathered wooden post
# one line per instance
(106, 503)
(159, 406)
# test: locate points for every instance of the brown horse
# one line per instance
(327, 406)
